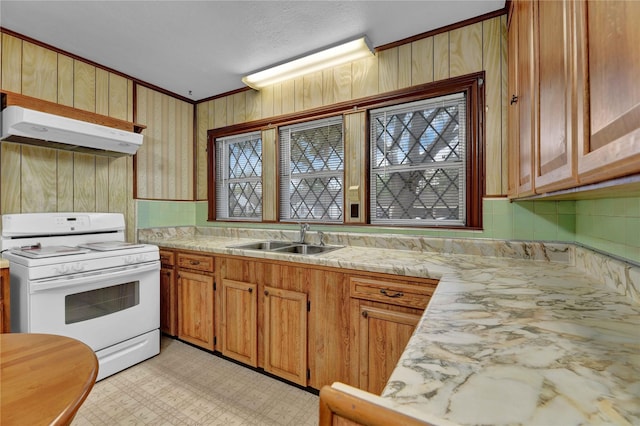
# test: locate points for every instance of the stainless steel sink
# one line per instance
(263, 245)
(286, 247)
(306, 249)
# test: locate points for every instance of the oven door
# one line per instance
(100, 308)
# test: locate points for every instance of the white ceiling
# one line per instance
(198, 49)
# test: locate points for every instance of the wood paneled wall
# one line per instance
(476, 47)
(165, 164)
(34, 179)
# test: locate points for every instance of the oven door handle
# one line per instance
(93, 277)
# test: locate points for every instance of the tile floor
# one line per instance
(187, 386)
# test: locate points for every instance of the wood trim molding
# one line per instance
(11, 98)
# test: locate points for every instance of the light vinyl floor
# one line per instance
(187, 386)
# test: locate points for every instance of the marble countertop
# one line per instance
(514, 333)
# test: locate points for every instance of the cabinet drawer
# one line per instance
(167, 258)
(195, 261)
(395, 293)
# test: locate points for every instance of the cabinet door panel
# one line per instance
(195, 309)
(556, 133)
(611, 37)
(383, 335)
(526, 96)
(239, 321)
(285, 334)
(168, 302)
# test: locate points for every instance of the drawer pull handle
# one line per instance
(195, 262)
(394, 295)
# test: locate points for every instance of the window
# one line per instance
(311, 171)
(239, 177)
(418, 163)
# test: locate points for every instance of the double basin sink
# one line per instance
(286, 247)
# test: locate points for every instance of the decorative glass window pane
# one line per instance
(312, 171)
(418, 163)
(239, 177)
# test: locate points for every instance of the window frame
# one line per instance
(471, 84)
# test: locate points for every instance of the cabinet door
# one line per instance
(513, 116)
(526, 96)
(382, 336)
(5, 302)
(195, 309)
(168, 302)
(285, 334)
(611, 37)
(239, 303)
(557, 113)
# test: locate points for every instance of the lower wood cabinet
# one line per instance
(285, 334)
(196, 299)
(168, 296)
(239, 324)
(384, 316)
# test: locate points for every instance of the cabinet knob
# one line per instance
(266, 293)
(364, 314)
(250, 290)
(394, 295)
(514, 99)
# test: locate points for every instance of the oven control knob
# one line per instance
(62, 269)
(78, 267)
(129, 260)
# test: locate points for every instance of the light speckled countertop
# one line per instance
(516, 333)
(4, 263)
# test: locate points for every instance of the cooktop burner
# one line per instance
(37, 252)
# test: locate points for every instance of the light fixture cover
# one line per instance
(333, 56)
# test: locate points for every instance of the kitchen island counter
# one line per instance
(515, 333)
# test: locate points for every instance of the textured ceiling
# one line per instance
(198, 49)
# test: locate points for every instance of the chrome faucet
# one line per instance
(304, 227)
(321, 237)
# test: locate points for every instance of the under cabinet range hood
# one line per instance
(28, 126)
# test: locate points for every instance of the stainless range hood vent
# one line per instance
(27, 126)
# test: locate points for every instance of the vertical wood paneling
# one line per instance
(269, 169)
(65, 181)
(11, 63)
(328, 87)
(239, 108)
(118, 96)
(38, 179)
(312, 90)
(492, 51)
(253, 105)
(211, 118)
(388, 70)
(39, 72)
(287, 97)
(441, 56)
(266, 99)
(130, 102)
(65, 80)
(102, 91)
(165, 161)
(102, 184)
(10, 181)
(298, 94)
(422, 61)
(201, 150)
(0, 61)
(465, 50)
(404, 66)
(277, 99)
(118, 184)
(220, 112)
(84, 86)
(84, 183)
(364, 77)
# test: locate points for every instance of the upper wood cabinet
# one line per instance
(611, 66)
(574, 63)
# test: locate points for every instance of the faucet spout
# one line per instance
(304, 227)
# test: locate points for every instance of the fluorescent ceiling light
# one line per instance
(331, 57)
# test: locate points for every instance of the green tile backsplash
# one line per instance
(608, 225)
